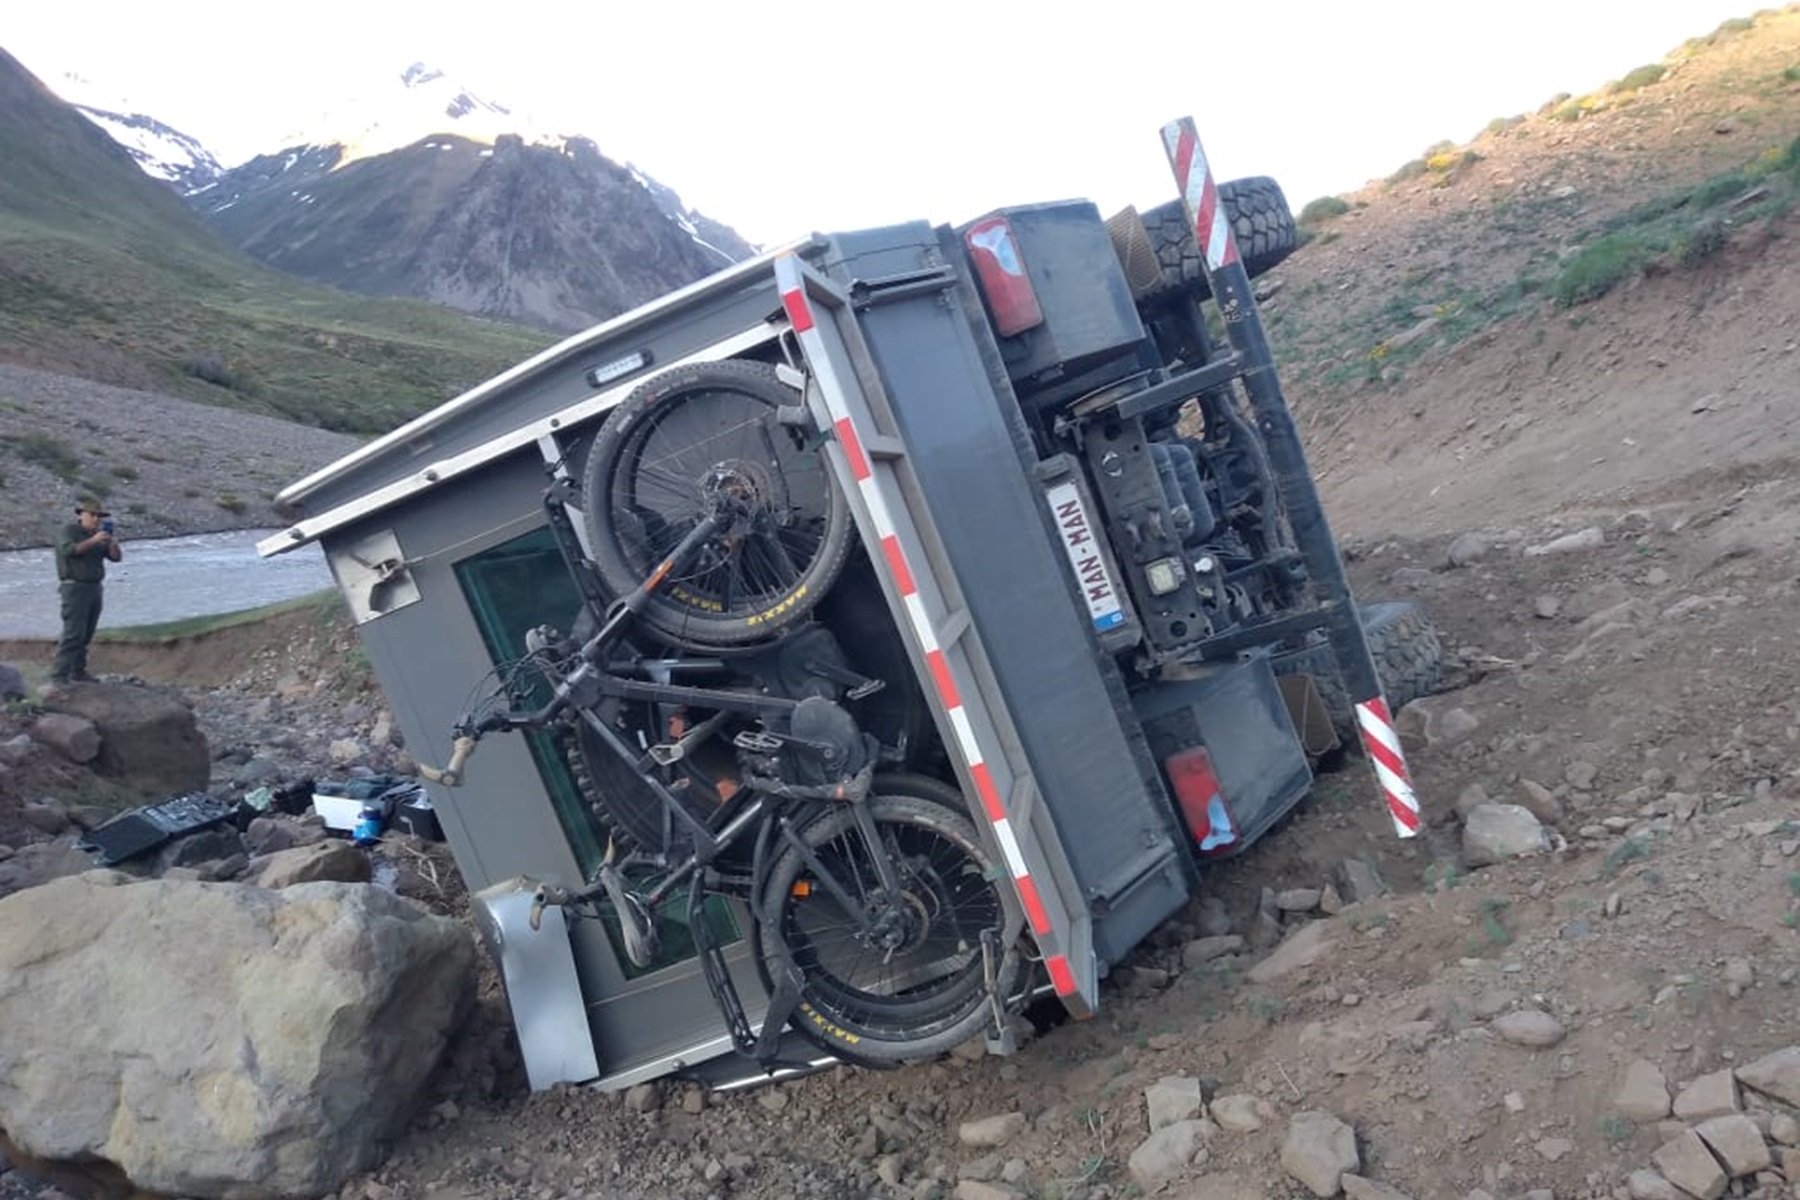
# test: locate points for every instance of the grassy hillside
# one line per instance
(105, 274)
(1660, 172)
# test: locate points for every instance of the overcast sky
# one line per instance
(783, 118)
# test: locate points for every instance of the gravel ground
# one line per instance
(165, 466)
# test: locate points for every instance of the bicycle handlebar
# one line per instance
(451, 773)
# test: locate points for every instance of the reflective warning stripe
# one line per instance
(893, 556)
(1383, 744)
(1212, 229)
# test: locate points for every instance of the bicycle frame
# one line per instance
(596, 677)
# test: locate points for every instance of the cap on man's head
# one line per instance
(90, 504)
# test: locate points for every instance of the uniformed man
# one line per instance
(84, 548)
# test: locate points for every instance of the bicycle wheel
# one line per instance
(693, 441)
(916, 985)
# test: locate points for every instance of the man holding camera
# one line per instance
(83, 549)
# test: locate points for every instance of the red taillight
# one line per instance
(1001, 273)
(1202, 801)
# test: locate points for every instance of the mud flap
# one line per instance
(1312, 719)
(1254, 754)
(542, 988)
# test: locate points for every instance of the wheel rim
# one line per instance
(927, 970)
(714, 448)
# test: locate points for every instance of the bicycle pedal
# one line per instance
(757, 741)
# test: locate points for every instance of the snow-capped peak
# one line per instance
(161, 152)
(428, 102)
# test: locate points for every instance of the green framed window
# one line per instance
(515, 587)
(512, 588)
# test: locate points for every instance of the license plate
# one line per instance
(1081, 542)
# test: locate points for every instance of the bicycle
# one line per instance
(880, 929)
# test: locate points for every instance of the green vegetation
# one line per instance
(1631, 849)
(1491, 925)
(1682, 227)
(1442, 161)
(277, 346)
(1642, 77)
(1617, 1130)
(231, 502)
(1323, 209)
(1602, 266)
(1407, 171)
(47, 450)
(103, 272)
(1574, 110)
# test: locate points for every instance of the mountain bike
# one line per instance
(713, 724)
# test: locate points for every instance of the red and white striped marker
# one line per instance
(1212, 232)
(1383, 744)
(893, 557)
(1193, 175)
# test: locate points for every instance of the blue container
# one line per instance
(369, 822)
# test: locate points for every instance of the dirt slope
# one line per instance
(1639, 692)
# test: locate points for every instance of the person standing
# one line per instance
(83, 549)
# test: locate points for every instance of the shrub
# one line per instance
(1569, 110)
(48, 451)
(1599, 268)
(1642, 77)
(123, 471)
(1411, 170)
(1721, 188)
(232, 503)
(1704, 240)
(1323, 209)
(211, 368)
(1500, 125)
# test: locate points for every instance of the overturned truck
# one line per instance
(830, 658)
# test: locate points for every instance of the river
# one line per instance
(162, 579)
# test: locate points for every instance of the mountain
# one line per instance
(420, 186)
(105, 274)
(161, 151)
(549, 233)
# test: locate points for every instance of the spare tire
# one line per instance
(1408, 657)
(1260, 220)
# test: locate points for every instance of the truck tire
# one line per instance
(1260, 220)
(1408, 657)
(688, 439)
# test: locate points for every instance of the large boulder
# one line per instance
(149, 740)
(218, 1039)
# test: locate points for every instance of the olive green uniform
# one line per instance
(81, 573)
